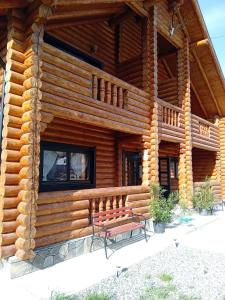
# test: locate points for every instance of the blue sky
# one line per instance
(214, 14)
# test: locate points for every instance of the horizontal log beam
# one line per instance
(50, 197)
(13, 4)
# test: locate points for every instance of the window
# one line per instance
(132, 168)
(66, 166)
(173, 168)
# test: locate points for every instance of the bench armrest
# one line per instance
(140, 216)
(101, 226)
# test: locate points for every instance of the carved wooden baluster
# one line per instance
(178, 119)
(114, 95)
(108, 92)
(102, 90)
(94, 87)
(168, 114)
(166, 119)
(164, 114)
(101, 204)
(125, 98)
(93, 205)
(120, 98)
(120, 201)
(175, 118)
(114, 203)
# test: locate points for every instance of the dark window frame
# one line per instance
(45, 186)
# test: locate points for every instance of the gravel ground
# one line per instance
(176, 273)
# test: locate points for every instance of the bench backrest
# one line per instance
(111, 214)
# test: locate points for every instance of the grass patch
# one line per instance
(96, 296)
(160, 292)
(187, 297)
(166, 277)
(147, 276)
(60, 296)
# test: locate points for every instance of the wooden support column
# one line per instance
(11, 133)
(222, 155)
(30, 139)
(150, 64)
(185, 162)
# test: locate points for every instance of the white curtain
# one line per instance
(79, 163)
(49, 160)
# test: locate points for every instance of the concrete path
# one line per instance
(76, 274)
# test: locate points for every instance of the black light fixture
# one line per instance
(174, 6)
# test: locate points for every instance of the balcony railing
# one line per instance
(171, 122)
(102, 98)
(66, 215)
(205, 135)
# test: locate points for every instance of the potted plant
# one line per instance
(160, 208)
(204, 198)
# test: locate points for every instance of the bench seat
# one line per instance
(120, 229)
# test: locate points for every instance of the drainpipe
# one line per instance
(2, 64)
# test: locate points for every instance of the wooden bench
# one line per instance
(109, 223)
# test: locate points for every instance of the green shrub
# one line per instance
(203, 196)
(166, 277)
(96, 296)
(60, 296)
(174, 197)
(160, 207)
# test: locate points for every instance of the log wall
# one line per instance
(222, 155)
(150, 63)
(86, 37)
(3, 50)
(205, 166)
(130, 39)
(131, 71)
(11, 142)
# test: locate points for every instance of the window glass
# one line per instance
(54, 166)
(173, 168)
(79, 166)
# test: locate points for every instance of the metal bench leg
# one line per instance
(145, 232)
(105, 245)
(92, 242)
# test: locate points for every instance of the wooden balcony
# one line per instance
(65, 215)
(171, 122)
(205, 135)
(75, 90)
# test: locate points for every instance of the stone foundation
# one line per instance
(56, 253)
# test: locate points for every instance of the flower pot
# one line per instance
(205, 212)
(159, 227)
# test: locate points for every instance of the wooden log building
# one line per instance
(100, 98)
